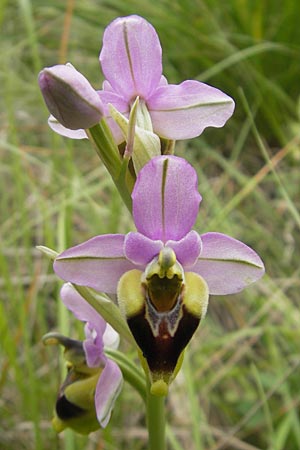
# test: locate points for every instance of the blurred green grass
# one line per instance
(239, 388)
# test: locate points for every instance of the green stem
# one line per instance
(156, 421)
(106, 147)
(63, 318)
(108, 152)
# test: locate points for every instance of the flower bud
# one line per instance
(75, 404)
(69, 97)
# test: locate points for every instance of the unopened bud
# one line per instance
(70, 97)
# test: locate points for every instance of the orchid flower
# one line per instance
(131, 61)
(93, 382)
(163, 272)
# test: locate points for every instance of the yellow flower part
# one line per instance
(163, 307)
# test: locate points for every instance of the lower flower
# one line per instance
(93, 381)
(75, 404)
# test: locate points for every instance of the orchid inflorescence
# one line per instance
(163, 273)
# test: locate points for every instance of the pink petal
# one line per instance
(81, 308)
(66, 132)
(98, 263)
(227, 265)
(131, 57)
(93, 349)
(106, 86)
(165, 198)
(163, 81)
(183, 111)
(95, 324)
(111, 338)
(107, 390)
(139, 249)
(188, 249)
(107, 97)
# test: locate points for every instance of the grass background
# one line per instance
(239, 387)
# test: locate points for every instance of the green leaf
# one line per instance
(51, 254)
(146, 143)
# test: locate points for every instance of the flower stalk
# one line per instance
(108, 152)
(156, 420)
